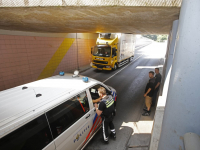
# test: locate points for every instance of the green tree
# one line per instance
(162, 38)
(150, 36)
(158, 38)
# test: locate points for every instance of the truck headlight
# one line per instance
(108, 67)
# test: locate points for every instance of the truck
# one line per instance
(112, 50)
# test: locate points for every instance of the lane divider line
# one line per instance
(142, 46)
(122, 68)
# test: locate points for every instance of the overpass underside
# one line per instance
(90, 16)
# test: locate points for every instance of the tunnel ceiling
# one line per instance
(136, 20)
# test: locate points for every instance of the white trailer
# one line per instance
(113, 50)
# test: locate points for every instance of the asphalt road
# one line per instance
(129, 81)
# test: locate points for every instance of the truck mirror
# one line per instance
(91, 50)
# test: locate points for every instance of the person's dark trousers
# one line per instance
(107, 122)
(154, 97)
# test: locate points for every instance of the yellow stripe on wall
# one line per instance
(56, 58)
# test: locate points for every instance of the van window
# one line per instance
(83, 99)
(35, 135)
(94, 91)
(63, 116)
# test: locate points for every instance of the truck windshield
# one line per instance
(102, 51)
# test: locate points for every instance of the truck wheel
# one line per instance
(115, 67)
(130, 59)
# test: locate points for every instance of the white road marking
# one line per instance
(151, 67)
(122, 69)
(142, 46)
(139, 47)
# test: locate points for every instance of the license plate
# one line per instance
(99, 68)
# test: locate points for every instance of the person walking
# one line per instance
(149, 90)
(105, 110)
(158, 78)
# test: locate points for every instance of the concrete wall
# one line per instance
(183, 99)
(109, 19)
(25, 59)
(158, 118)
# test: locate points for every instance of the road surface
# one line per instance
(129, 81)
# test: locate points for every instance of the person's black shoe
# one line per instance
(113, 135)
(146, 114)
(145, 109)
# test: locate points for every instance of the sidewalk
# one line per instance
(144, 136)
(81, 69)
(140, 139)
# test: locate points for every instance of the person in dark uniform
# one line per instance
(149, 90)
(105, 110)
(158, 78)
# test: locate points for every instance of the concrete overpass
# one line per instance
(89, 16)
(27, 56)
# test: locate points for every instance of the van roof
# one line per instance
(17, 102)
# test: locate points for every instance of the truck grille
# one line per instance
(102, 62)
(99, 66)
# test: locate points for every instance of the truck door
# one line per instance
(114, 52)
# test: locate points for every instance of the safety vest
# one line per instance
(108, 102)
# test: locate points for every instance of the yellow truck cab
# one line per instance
(112, 50)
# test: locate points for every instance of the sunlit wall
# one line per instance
(25, 59)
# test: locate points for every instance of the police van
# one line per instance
(54, 113)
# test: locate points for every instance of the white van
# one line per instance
(52, 113)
